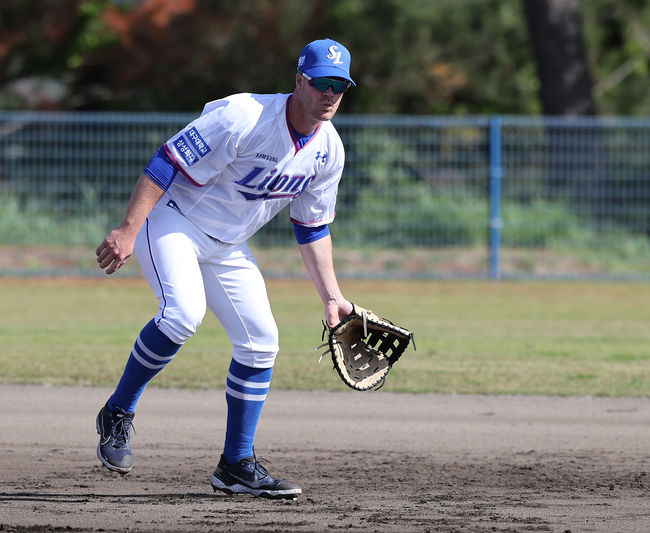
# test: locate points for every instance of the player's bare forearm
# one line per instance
(118, 245)
(319, 261)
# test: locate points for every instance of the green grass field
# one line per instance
(561, 338)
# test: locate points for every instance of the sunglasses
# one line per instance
(321, 84)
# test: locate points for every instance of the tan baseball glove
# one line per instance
(364, 347)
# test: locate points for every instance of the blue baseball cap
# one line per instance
(325, 58)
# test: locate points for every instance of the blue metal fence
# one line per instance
(421, 197)
(496, 174)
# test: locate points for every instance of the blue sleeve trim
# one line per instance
(161, 169)
(305, 235)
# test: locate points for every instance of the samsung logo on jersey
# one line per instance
(271, 186)
(260, 155)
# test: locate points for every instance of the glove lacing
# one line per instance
(322, 337)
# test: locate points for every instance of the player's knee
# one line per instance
(179, 325)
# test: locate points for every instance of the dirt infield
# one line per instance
(373, 461)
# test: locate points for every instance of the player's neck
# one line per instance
(299, 120)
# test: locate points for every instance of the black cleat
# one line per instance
(114, 448)
(248, 476)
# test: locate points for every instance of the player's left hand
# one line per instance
(335, 311)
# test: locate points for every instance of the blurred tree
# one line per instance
(420, 56)
(557, 39)
(617, 34)
(34, 51)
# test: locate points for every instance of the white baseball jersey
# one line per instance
(240, 164)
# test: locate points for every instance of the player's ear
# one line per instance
(301, 82)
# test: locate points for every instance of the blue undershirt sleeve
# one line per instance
(161, 169)
(306, 235)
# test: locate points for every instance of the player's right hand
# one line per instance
(114, 251)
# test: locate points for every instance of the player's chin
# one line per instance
(327, 113)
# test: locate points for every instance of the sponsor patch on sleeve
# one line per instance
(197, 141)
(183, 148)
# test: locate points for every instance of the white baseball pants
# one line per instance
(188, 270)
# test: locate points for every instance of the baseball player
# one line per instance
(202, 195)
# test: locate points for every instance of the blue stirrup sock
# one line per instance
(151, 352)
(246, 390)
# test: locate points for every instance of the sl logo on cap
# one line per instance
(335, 55)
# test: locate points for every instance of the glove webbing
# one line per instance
(393, 347)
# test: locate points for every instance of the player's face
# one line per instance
(316, 105)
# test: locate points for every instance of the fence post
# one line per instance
(496, 173)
